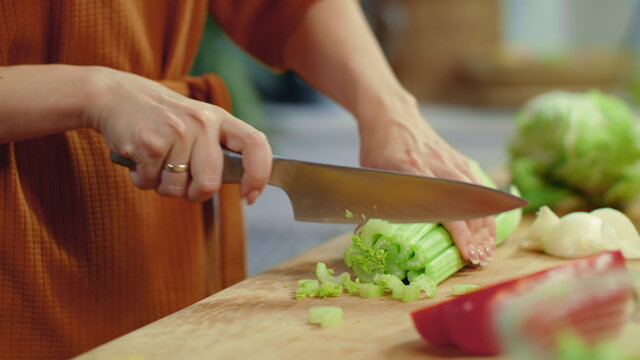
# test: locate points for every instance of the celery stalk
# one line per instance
(435, 242)
(507, 222)
(422, 251)
(445, 265)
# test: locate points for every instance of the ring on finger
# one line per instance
(181, 168)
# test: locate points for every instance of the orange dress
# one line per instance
(84, 255)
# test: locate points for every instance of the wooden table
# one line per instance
(260, 318)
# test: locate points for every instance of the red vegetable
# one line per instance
(468, 321)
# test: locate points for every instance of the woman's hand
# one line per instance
(154, 126)
(401, 140)
(346, 63)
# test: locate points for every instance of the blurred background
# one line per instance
(471, 64)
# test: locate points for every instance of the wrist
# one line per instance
(93, 83)
(390, 106)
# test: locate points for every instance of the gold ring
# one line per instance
(176, 168)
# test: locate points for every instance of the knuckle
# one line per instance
(201, 116)
(205, 186)
(255, 138)
(178, 128)
(152, 145)
(171, 191)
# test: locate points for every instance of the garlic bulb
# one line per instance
(579, 234)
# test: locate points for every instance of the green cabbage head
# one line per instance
(576, 144)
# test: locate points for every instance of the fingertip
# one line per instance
(252, 196)
(473, 255)
(136, 179)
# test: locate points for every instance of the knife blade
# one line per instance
(340, 194)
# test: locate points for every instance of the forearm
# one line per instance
(335, 51)
(39, 100)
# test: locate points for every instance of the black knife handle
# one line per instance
(231, 173)
(121, 160)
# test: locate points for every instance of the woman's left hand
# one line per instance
(402, 140)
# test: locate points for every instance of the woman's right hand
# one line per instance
(154, 126)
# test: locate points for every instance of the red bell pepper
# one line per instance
(468, 321)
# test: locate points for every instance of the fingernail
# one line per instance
(481, 255)
(473, 254)
(488, 250)
(251, 197)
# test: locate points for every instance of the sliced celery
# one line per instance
(397, 291)
(389, 281)
(348, 214)
(410, 292)
(408, 251)
(307, 288)
(371, 290)
(412, 274)
(351, 286)
(461, 289)
(426, 284)
(326, 284)
(326, 316)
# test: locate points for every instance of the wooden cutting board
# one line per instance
(260, 318)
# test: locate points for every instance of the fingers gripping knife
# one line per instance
(340, 194)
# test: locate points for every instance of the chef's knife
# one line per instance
(340, 194)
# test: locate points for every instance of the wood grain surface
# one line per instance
(260, 318)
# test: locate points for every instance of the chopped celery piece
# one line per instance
(351, 286)
(325, 274)
(412, 274)
(410, 293)
(326, 316)
(389, 281)
(397, 291)
(329, 289)
(307, 288)
(348, 214)
(461, 289)
(326, 285)
(371, 290)
(426, 284)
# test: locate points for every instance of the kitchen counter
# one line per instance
(260, 318)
